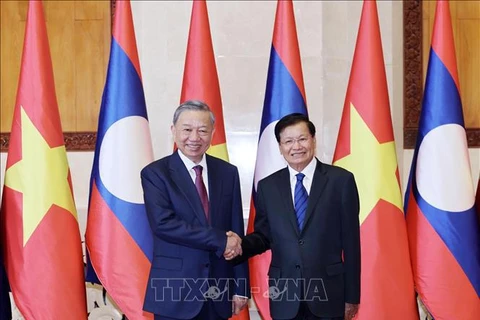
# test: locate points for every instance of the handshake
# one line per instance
(234, 246)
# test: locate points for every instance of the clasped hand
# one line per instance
(234, 246)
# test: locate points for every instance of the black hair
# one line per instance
(293, 119)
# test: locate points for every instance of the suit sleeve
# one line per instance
(351, 240)
(167, 225)
(240, 271)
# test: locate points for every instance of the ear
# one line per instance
(172, 128)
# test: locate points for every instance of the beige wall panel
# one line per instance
(90, 10)
(468, 52)
(428, 17)
(79, 36)
(12, 18)
(61, 33)
(89, 55)
(466, 9)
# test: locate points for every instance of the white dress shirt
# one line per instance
(189, 164)
(308, 171)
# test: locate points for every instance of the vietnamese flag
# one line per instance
(200, 82)
(366, 147)
(41, 239)
(200, 78)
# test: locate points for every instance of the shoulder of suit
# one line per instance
(214, 161)
(334, 170)
(157, 164)
(274, 176)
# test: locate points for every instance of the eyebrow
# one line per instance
(301, 136)
(191, 126)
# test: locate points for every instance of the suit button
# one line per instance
(297, 266)
(301, 242)
(207, 265)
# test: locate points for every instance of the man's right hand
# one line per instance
(234, 246)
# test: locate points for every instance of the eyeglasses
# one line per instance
(291, 141)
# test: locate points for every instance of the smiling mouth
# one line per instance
(297, 154)
(193, 146)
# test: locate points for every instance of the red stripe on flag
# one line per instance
(434, 264)
(125, 275)
(123, 32)
(259, 265)
(285, 41)
(442, 39)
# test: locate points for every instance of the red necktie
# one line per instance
(202, 191)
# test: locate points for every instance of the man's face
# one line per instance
(297, 145)
(193, 133)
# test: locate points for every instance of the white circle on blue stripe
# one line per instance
(269, 158)
(443, 169)
(126, 149)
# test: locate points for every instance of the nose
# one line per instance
(194, 135)
(296, 143)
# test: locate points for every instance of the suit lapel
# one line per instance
(318, 185)
(184, 182)
(215, 190)
(283, 184)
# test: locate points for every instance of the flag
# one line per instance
(200, 78)
(443, 230)
(41, 238)
(200, 82)
(366, 147)
(285, 94)
(477, 201)
(118, 237)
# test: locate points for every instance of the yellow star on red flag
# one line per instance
(41, 176)
(373, 164)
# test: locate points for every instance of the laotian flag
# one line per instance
(118, 237)
(285, 94)
(442, 225)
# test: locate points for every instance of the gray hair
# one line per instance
(193, 105)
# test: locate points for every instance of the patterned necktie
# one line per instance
(202, 191)
(300, 199)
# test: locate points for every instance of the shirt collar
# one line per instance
(190, 164)
(308, 171)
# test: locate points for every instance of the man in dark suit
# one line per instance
(192, 200)
(307, 214)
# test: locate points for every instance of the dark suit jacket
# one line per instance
(188, 250)
(331, 230)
